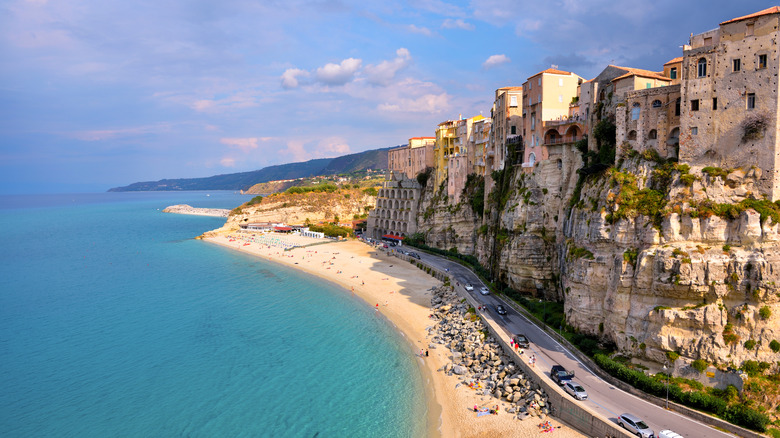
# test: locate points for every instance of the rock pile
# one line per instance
(478, 360)
(187, 209)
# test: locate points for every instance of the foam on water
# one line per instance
(114, 321)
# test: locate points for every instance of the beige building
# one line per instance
(547, 96)
(506, 129)
(396, 204)
(412, 158)
(729, 94)
(673, 69)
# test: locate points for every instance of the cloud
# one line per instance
(109, 134)
(290, 77)
(457, 24)
(495, 60)
(419, 30)
(428, 103)
(384, 72)
(245, 144)
(296, 150)
(338, 74)
(244, 99)
(228, 162)
(334, 145)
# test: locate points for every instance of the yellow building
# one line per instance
(446, 133)
(547, 96)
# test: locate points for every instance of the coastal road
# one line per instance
(603, 397)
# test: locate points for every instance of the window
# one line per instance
(512, 100)
(533, 122)
(714, 103)
(749, 30)
(702, 68)
(708, 41)
(751, 101)
(736, 64)
(648, 85)
(652, 135)
(539, 81)
(695, 105)
(635, 109)
(677, 107)
(632, 135)
(514, 130)
(694, 131)
(560, 98)
(560, 82)
(532, 158)
(656, 103)
(761, 61)
(673, 73)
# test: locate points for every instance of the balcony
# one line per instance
(560, 140)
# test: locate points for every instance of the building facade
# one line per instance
(729, 95)
(412, 158)
(396, 204)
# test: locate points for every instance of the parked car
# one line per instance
(635, 425)
(415, 255)
(484, 290)
(576, 390)
(469, 287)
(521, 340)
(500, 310)
(668, 434)
(560, 375)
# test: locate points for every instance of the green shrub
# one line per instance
(255, 200)
(672, 355)
(765, 312)
(775, 346)
(700, 365)
(749, 344)
(371, 191)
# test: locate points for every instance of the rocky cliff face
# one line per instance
(651, 255)
(298, 208)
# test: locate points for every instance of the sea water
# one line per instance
(114, 321)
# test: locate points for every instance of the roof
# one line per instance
(392, 236)
(639, 72)
(552, 71)
(772, 10)
(511, 88)
(674, 60)
(423, 138)
(283, 228)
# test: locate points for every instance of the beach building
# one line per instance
(546, 97)
(413, 157)
(729, 99)
(396, 206)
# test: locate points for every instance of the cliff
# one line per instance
(650, 255)
(342, 205)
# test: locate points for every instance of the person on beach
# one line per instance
(426, 353)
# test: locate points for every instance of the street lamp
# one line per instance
(667, 384)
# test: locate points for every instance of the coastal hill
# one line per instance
(373, 159)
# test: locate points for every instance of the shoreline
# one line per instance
(402, 294)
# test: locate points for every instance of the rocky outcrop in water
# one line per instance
(187, 209)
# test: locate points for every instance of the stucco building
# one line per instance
(413, 157)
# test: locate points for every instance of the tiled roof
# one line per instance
(640, 72)
(674, 61)
(772, 10)
(554, 72)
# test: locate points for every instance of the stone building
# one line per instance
(413, 157)
(729, 94)
(396, 206)
(507, 123)
(650, 119)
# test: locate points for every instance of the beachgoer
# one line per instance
(426, 353)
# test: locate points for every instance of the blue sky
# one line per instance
(101, 93)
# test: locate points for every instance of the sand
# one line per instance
(402, 294)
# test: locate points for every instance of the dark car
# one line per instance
(500, 310)
(521, 340)
(415, 255)
(560, 375)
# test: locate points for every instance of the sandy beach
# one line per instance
(401, 292)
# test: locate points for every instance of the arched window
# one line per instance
(532, 159)
(560, 164)
(656, 103)
(652, 135)
(635, 109)
(702, 67)
(677, 107)
(632, 135)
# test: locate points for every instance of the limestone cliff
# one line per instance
(651, 255)
(341, 204)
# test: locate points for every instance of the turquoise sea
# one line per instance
(114, 321)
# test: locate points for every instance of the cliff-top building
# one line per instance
(412, 158)
(729, 93)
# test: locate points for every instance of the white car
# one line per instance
(668, 434)
(576, 390)
(469, 287)
(484, 290)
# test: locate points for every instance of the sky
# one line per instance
(102, 93)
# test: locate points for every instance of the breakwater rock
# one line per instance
(187, 209)
(478, 360)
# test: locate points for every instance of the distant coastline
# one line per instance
(187, 209)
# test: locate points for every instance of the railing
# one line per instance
(575, 119)
(560, 140)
